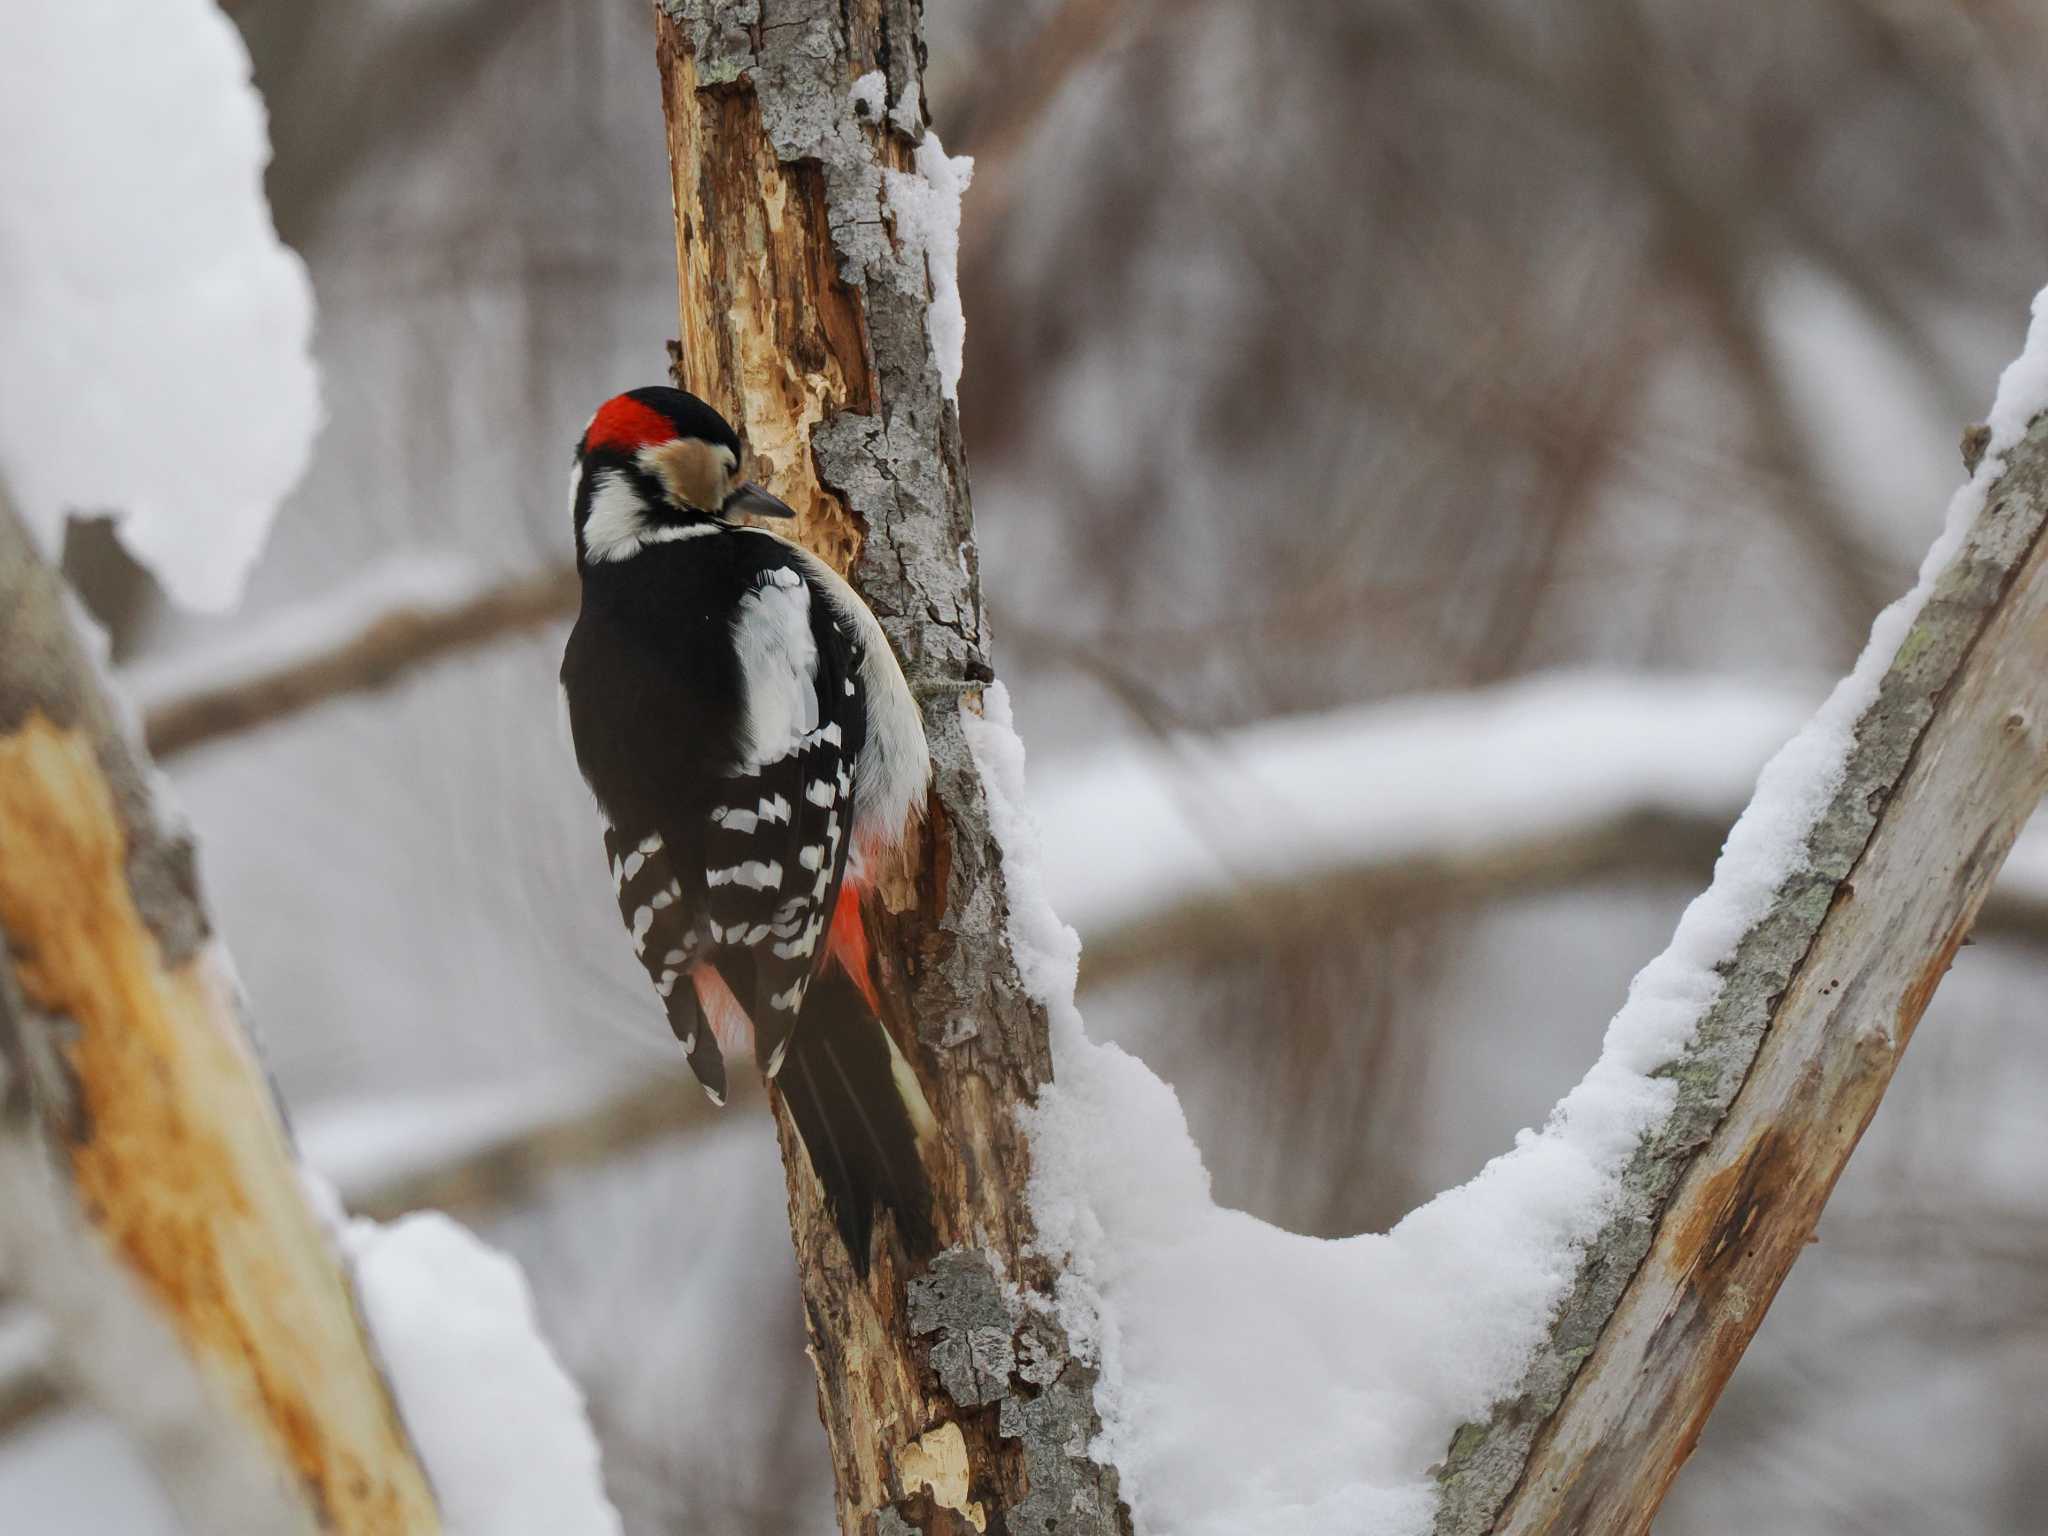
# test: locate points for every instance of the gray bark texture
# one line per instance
(1818, 1002)
(951, 1400)
(150, 1202)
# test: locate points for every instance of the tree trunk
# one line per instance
(150, 1201)
(951, 1398)
(1818, 1002)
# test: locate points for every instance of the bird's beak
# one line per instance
(748, 497)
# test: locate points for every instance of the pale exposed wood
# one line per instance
(150, 1204)
(1819, 1001)
(499, 1172)
(804, 320)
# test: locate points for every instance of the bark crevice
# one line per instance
(805, 320)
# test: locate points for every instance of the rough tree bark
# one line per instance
(1819, 1000)
(150, 1203)
(951, 1398)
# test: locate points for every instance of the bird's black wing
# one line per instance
(654, 900)
(776, 851)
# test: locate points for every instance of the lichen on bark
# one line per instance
(805, 319)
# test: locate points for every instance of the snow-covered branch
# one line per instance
(185, 1271)
(1252, 1379)
(484, 1150)
(150, 1204)
(1423, 803)
(153, 1209)
(157, 363)
(1791, 989)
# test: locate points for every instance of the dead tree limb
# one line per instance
(1818, 1002)
(804, 299)
(150, 1203)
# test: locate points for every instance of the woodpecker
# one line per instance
(754, 749)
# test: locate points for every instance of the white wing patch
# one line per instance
(894, 765)
(778, 666)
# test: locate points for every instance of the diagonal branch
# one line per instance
(1949, 759)
(151, 1207)
(373, 637)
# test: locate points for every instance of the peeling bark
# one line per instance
(150, 1203)
(805, 321)
(1789, 1063)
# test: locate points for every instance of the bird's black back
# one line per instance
(656, 702)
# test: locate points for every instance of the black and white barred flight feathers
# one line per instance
(750, 739)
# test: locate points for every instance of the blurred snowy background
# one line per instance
(1499, 422)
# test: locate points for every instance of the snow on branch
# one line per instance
(453, 1152)
(1880, 830)
(156, 363)
(1424, 802)
(944, 1391)
(455, 1323)
(1253, 1380)
(150, 1205)
(153, 1208)
(1428, 801)
(486, 1148)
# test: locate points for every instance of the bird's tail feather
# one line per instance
(860, 1115)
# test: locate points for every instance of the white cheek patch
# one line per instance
(617, 521)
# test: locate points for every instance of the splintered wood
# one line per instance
(146, 1176)
(804, 321)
